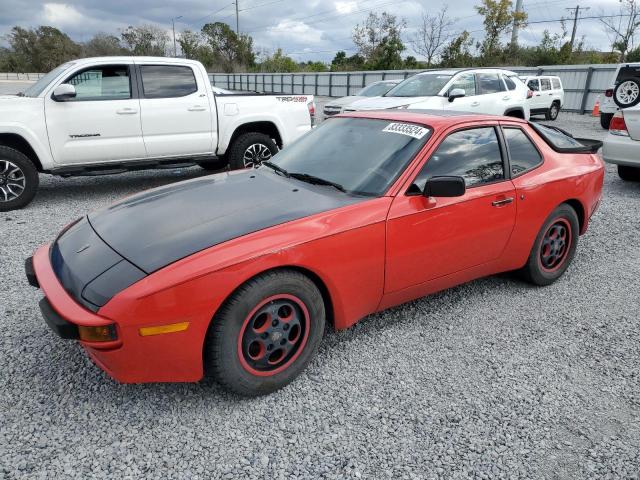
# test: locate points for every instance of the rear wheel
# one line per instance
(18, 179)
(250, 150)
(266, 333)
(553, 111)
(629, 174)
(627, 93)
(554, 247)
(605, 120)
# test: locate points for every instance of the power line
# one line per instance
(211, 14)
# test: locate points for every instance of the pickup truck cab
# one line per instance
(112, 114)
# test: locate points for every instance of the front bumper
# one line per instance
(621, 150)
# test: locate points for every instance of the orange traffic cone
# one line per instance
(596, 108)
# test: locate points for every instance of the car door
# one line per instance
(428, 238)
(102, 123)
(493, 96)
(546, 93)
(177, 117)
(468, 103)
(536, 102)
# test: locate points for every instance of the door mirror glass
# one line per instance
(456, 93)
(444, 187)
(64, 92)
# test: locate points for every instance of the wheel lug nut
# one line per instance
(285, 327)
(283, 341)
(274, 323)
(264, 335)
(270, 347)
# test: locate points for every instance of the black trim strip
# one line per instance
(59, 325)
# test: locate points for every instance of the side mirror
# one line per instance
(456, 93)
(64, 92)
(444, 187)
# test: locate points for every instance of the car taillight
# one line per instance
(529, 93)
(608, 92)
(312, 112)
(618, 126)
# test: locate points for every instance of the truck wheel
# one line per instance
(266, 333)
(605, 120)
(251, 149)
(18, 179)
(627, 93)
(553, 111)
(629, 174)
(554, 247)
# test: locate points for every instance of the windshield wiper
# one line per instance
(305, 177)
(277, 168)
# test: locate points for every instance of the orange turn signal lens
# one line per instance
(105, 333)
(160, 329)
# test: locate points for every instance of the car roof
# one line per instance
(115, 59)
(432, 118)
(453, 71)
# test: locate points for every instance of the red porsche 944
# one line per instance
(236, 274)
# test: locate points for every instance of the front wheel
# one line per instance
(18, 179)
(554, 247)
(629, 174)
(250, 150)
(266, 333)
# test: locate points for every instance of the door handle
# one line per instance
(475, 104)
(127, 111)
(506, 98)
(537, 94)
(197, 108)
(504, 201)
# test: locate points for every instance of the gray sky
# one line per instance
(309, 29)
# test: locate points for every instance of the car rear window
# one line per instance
(523, 155)
(556, 83)
(167, 81)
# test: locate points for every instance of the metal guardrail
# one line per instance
(20, 76)
(582, 83)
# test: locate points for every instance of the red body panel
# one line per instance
(367, 256)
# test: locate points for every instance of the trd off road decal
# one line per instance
(414, 131)
(291, 99)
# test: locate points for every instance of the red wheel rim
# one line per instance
(555, 245)
(273, 335)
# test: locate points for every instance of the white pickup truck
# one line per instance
(112, 114)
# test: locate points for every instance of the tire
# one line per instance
(18, 179)
(605, 120)
(629, 174)
(258, 146)
(552, 113)
(550, 255)
(627, 93)
(277, 308)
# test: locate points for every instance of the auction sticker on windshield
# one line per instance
(414, 131)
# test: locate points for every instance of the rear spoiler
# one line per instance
(582, 145)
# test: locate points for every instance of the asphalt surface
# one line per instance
(493, 379)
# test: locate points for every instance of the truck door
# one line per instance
(102, 123)
(177, 116)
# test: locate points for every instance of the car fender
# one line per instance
(34, 139)
(232, 126)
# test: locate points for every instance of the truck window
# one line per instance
(167, 81)
(545, 84)
(556, 83)
(109, 82)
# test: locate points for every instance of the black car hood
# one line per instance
(163, 225)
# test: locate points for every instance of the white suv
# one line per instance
(479, 90)
(624, 92)
(548, 96)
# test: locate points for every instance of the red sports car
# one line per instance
(236, 274)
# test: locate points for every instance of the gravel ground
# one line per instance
(493, 379)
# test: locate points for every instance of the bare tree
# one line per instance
(432, 35)
(622, 28)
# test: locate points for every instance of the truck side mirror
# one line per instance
(456, 93)
(444, 187)
(64, 92)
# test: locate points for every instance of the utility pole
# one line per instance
(237, 19)
(514, 30)
(576, 11)
(173, 27)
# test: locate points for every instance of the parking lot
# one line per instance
(495, 378)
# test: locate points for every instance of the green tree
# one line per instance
(457, 53)
(190, 43)
(341, 62)
(313, 66)
(146, 40)
(278, 62)
(41, 49)
(411, 62)
(379, 41)
(103, 44)
(622, 28)
(499, 18)
(231, 52)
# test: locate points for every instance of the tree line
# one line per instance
(378, 44)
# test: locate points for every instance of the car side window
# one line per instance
(511, 85)
(472, 154)
(167, 81)
(523, 154)
(545, 84)
(101, 83)
(556, 83)
(490, 83)
(466, 81)
(533, 85)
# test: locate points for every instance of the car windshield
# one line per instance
(361, 155)
(423, 85)
(37, 88)
(375, 90)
